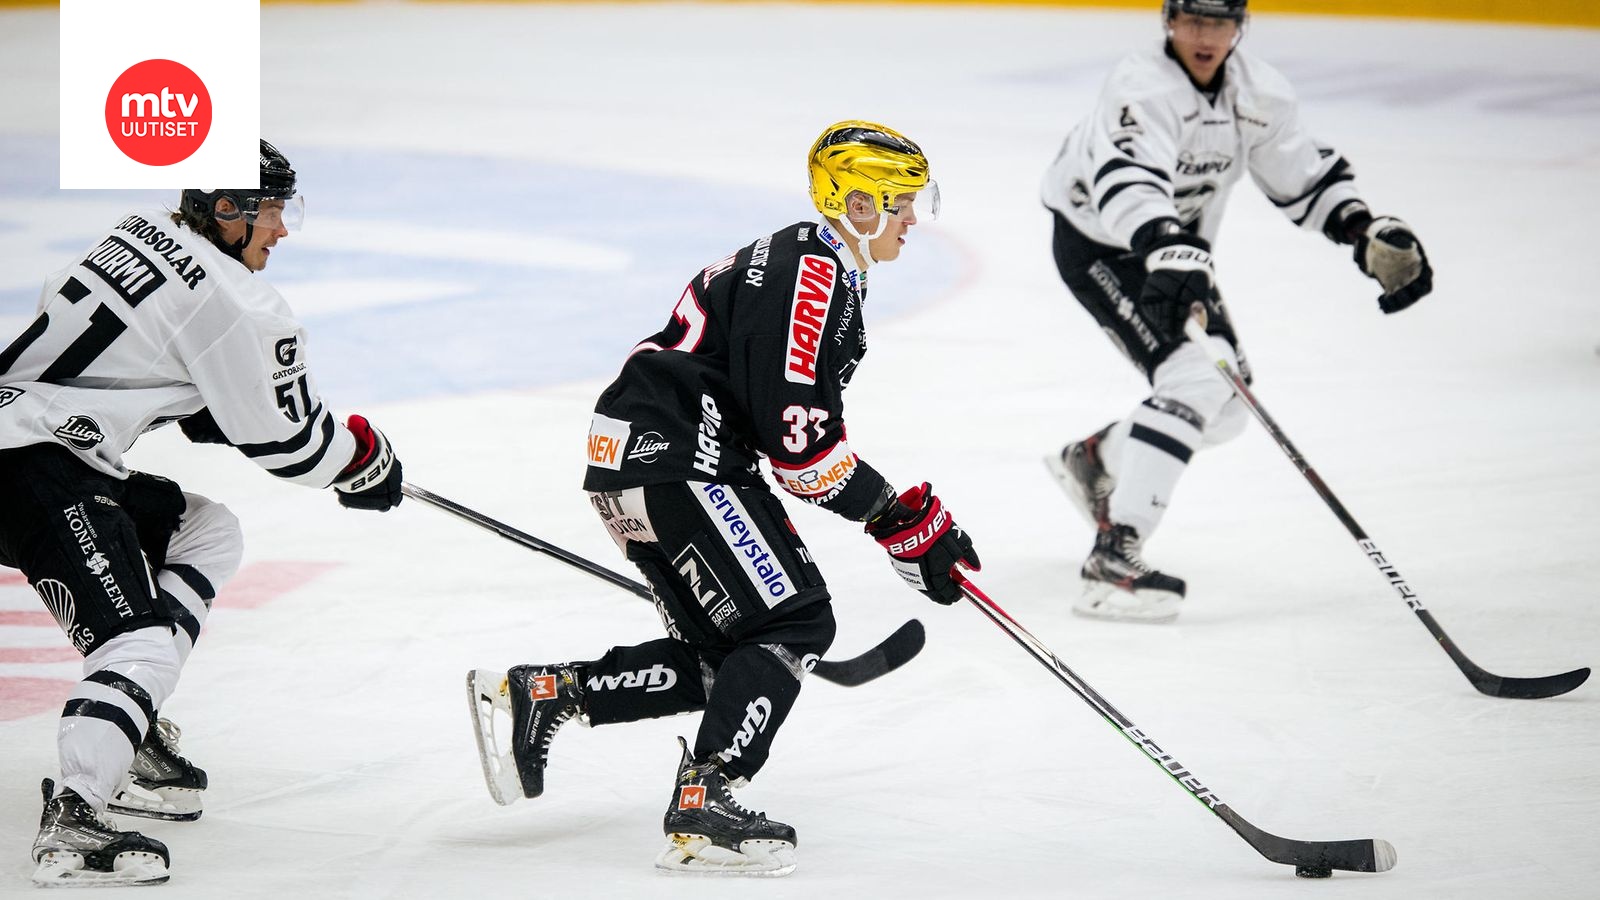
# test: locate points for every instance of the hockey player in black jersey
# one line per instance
(1137, 195)
(164, 319)
(752, 365)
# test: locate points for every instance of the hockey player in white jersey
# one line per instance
(1137, 195)
(164, 319)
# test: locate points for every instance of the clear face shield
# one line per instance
(917, 206)
(922, 206)
(1196, 28)
(272, 214)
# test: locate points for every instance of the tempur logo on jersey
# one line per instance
(160, 93)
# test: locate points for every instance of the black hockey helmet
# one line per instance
(1217, 9)
(199, 205)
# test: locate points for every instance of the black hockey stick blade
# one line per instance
(1528, 688)
(1365, 855)
(893, 652)
(1483, 680)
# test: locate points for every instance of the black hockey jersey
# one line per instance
(753, 363)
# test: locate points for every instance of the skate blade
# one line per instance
(1070, 486)
(65, 869)
(1105, 601)
(171, 804)
(485, 696)
(693, 854)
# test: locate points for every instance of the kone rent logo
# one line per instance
(158, 112)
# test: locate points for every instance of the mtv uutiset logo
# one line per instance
(162, 94)
(158, 112)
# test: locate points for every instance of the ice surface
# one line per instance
(514, 195)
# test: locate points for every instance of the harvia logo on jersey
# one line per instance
(81, 432)
(708, 453)
(756, 717)
(656, 678)
(1206, 162)
(813, 291)
(8, 394)
(647, 447)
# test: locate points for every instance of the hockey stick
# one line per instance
(1368, 855)
(891, 653)
(1485, 681)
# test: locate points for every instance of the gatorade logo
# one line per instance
(692, 796)
(158, 112)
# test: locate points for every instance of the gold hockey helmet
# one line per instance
(864, 156)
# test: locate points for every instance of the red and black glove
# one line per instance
(372, 480)
(924, 543)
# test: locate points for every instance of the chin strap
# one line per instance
(864, 242)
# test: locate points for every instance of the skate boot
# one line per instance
(161, 784)
(1084, 478)
(712, 834)
(533, 702)
(1117, 584)
(76, 848)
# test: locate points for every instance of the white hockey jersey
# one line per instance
(1155, 146)
(151, 325)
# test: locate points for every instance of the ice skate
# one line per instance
(77, 848)
(1118, 584)
(1084, 478)
(161, 784)
(712, 834)
(532, 702)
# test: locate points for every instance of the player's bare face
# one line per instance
(887, 246)
(1202, 43)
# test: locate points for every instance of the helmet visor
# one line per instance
(289, 214)
(922, 205)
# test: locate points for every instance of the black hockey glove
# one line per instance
(1389, 251)
(1179, 267)
(155, 505)
(372, 480)
(201, 428)
(924, 543)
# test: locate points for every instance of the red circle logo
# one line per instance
(158, 112)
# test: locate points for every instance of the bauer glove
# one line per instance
(924, 543)
(1179, 267)
(372, 480)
